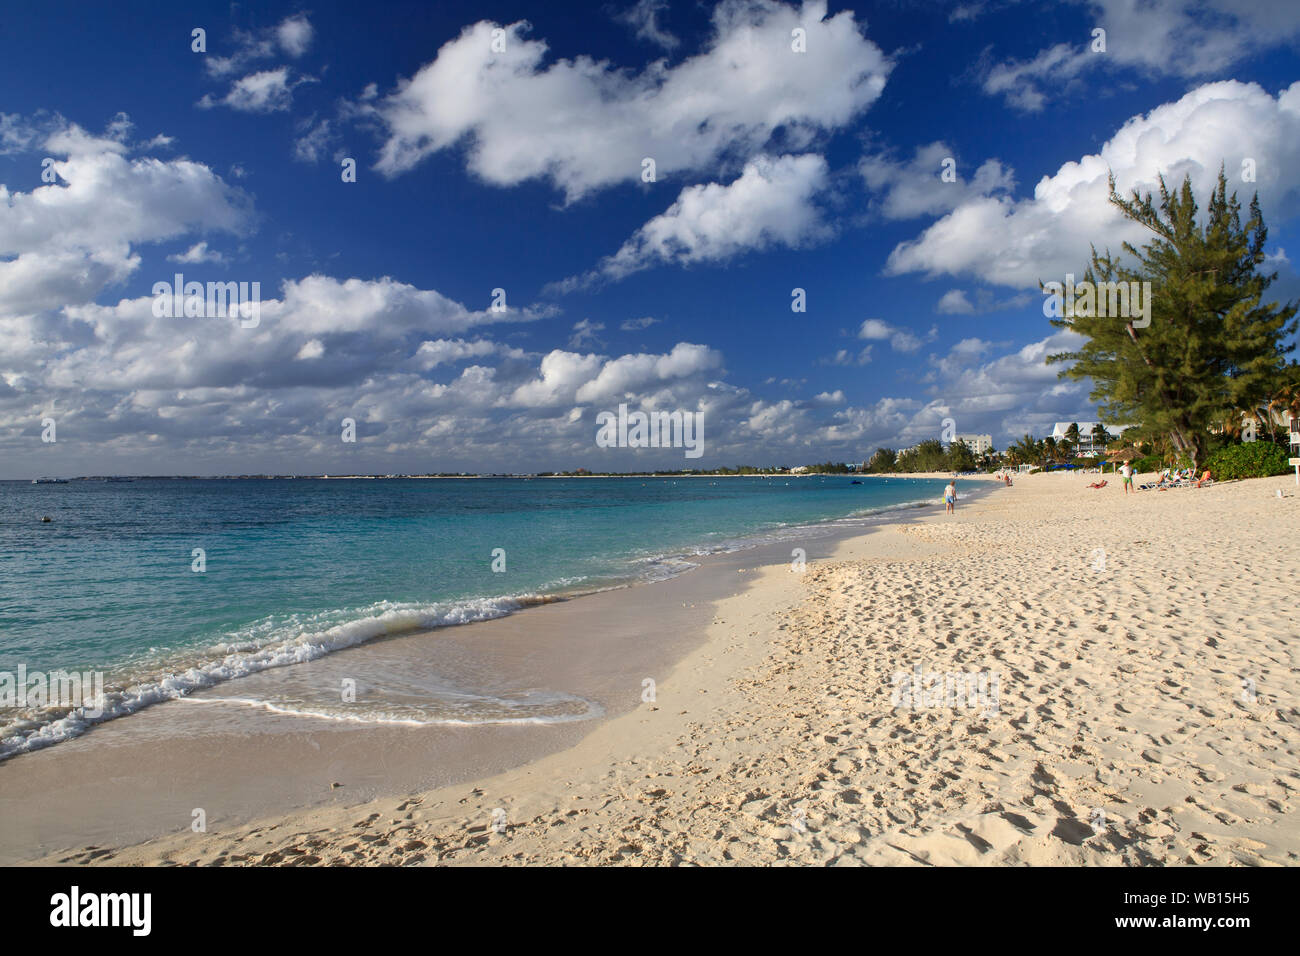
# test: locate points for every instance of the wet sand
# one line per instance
(1147, 711)
(143, 777)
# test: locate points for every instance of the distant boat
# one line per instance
(855, 482)
(49, 481)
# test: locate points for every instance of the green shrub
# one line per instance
(1258, 459)
(1148, 463)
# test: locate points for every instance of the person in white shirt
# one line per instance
(950, 496)
(1127, 471)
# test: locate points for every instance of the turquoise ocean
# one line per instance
(294, 569)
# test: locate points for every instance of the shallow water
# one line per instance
(295, 569)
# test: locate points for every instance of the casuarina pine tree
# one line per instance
(1212, 343)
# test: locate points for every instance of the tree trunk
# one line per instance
(1184, 446)
(1176, 435)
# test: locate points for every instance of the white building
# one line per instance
(1086, 445)
(979, 444)
(1281, 421)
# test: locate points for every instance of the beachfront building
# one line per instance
(1086, 445)
(1281, 421)
(979, 444)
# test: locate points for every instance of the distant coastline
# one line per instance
(124, 479)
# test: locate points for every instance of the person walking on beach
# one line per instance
(1127, 471)
(950, 496)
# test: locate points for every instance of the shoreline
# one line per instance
(117, 479)
(148, 686)
(772, 739)
(285, 749)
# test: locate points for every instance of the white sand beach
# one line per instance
(1146, 712)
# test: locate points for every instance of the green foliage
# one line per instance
(1213, 344)
(931, 455)
(960, 457)
(883, 461)
(1026, 451)
(1258, 459)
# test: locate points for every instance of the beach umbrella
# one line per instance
(1124, 454)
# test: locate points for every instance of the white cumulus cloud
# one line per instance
(1183, 38)
(770, 204)
(1017, 242)
(584, 124)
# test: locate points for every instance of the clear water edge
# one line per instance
(108, 585)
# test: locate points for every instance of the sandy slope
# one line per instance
(1147, 664)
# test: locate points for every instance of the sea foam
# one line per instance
(34, 730)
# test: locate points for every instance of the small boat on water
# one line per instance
(49, 481)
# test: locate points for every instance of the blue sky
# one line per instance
(518, 165)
